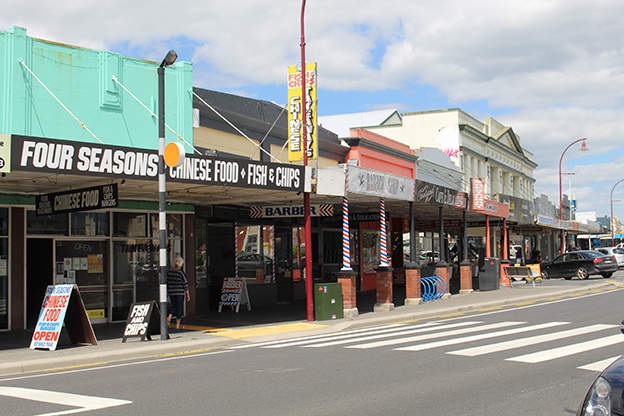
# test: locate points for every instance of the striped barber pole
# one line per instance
(346, 252)
(384, 245)
(273, 262)
(235, 249)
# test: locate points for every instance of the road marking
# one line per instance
(567, 350)
(481, 336)
(407, 332)
(82, 403)
(599, 366)
(523, 342)
(268, 330)
(436, 335)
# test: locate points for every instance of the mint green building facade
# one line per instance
(55, 92)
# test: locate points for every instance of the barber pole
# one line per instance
(384, 247)
(346, 252)
(236, 249)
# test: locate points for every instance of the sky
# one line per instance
(553, 70)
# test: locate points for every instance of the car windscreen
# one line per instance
(592, 254)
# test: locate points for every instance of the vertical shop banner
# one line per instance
(62, 304)
(478, 194)
(295, 130)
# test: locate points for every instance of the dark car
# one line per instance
(604, 397)
(581, 264)
(254, 261)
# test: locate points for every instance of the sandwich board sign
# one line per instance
(234, 293)
(62, 304)
(143, 321)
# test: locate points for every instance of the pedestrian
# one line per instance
(177, 288)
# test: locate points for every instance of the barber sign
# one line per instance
(231, 291)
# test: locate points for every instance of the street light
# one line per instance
(162, 217)
(582, 149)
(611, 199)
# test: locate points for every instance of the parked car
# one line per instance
(604, 397)
(254, 261)
(581, 264)
(616, 252)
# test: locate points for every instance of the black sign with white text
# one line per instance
(86, 199)
(139, 319)
(32, 154)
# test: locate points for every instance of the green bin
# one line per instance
(328, 301)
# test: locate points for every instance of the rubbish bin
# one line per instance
(328, 301)
(489, 274)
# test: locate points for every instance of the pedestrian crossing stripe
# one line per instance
(599, 366)
(456, 341)
(541, 356)
(524, 342)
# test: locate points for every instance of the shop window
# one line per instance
(127, 224)
(371, 250)
(90, 224)
(4, 284)
(4, 221)
(55, 224)
(85, 263)
(174, 226)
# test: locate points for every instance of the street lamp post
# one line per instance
(162, 217)
(582, 149)
(611, 199)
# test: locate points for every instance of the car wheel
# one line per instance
(545, 275)
(581, 273)
(607, 275)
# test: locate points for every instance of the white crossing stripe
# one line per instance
(393, 327)
(560, 352)
(523, 342)
(456, 341)
(598, 366)
(80, 402)
(349, 338)
(378, 336)
(436, 335)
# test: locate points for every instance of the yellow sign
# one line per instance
(96, 313)
(295, 116)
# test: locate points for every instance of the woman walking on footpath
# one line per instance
(177, 288)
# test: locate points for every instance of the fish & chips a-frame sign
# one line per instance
(62, 304)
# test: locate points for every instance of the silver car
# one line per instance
(616, 252)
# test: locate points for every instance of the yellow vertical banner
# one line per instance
(295, 130)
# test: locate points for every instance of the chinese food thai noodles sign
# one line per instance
(295, 110)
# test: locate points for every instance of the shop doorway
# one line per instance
(219, 258)
(39, 274)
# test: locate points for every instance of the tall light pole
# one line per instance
(611, 199)
(582, 149)
(162, 216)
(306, 195)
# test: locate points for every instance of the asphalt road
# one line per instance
(536, 359)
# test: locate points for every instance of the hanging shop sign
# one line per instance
(295, 130)
(429, 193)
(32, 154)
(520, 210)
(547, 221)
(61, 301)
(353, 218)
(485, 206)
(320, 210)
(380, 184)
(86, 199)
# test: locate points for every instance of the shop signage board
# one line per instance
(284, 211)
(86, 199)
(143, 321)
(32, 154)
(234, 293)
(295, 130)
(520, 210)
(5, 153)
(383, 185)
(62, 304)
(440, 196)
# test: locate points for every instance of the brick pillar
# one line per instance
(259, 276)
(413, 295)
(384, 289)
(465, 277)
(442, 270)
(504, 278)
(349, 301)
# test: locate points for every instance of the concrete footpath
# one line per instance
(16, 357)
